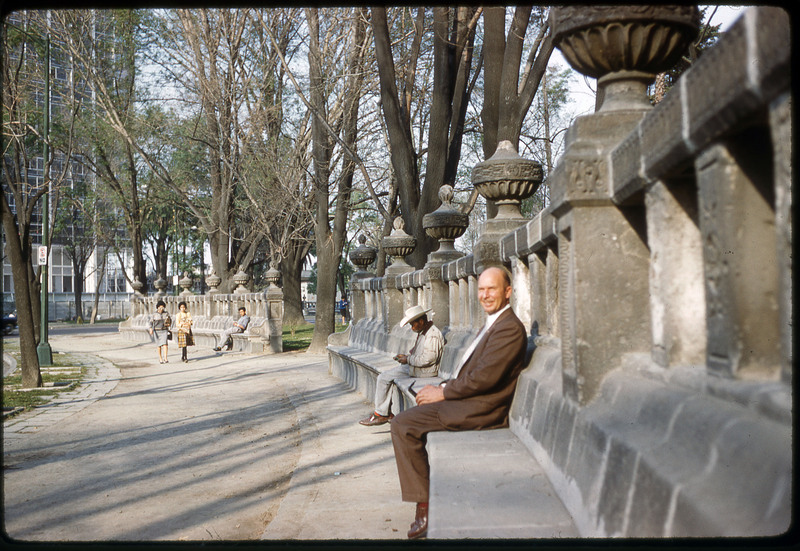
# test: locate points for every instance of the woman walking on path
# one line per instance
(159, 329)
(185, 337)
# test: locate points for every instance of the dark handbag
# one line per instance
(169, 335)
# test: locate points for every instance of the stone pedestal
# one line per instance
(274, 296)
(398, 244)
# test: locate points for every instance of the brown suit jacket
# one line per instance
(480, 397)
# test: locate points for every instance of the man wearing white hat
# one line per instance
(422, 361)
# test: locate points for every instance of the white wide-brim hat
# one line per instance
(413, 313)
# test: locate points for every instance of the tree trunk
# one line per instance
(20, 263)
(453, 38)
(96, 304)
(330, 241)
(291, 272)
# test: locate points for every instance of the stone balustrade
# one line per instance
(213, 312)
(656, 287)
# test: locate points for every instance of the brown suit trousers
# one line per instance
(479, 398)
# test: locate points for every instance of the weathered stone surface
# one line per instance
(677, 293)
(468, 505)
(738, 228)
(717, 89)
(627, 184)
(781, 132)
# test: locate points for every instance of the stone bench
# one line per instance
(484, 484)
(359, 357)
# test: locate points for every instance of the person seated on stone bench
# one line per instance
(477, 397)
(422, 361)
(239, 326)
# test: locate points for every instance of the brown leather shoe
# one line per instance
(375, 419)
(419, 528)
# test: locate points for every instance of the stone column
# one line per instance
(274, 299)
(780, 119)
(398, 244)
(603, 255)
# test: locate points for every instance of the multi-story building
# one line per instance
(72, 238)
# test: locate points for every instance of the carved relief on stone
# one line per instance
(587, 178)
(715, 265)
(399, 244)
(507, 179)
(446, 224)
(362, 256)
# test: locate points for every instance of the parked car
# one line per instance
(9, 323)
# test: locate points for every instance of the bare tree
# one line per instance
(25, 54)
(334, 97)
(453, 39)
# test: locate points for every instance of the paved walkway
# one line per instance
(227, 447)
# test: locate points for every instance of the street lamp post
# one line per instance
(43, 351)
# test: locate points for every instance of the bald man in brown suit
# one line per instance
(477, 397)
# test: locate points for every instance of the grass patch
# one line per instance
(298, 337)
(28, 399)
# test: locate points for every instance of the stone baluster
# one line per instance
(603, 256)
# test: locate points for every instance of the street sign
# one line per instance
(42, 255)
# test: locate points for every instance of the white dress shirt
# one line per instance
(468, 352)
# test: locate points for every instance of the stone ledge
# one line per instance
(486, 484)
(649, 458)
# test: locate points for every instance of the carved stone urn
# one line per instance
(137, 286)
(185, 282)
(213, 281)
(273, 275)
(446, 224)
(624, 47)
(399, 244)
(507, 179)
(161, 285)
(240, 278)
(362, 256)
